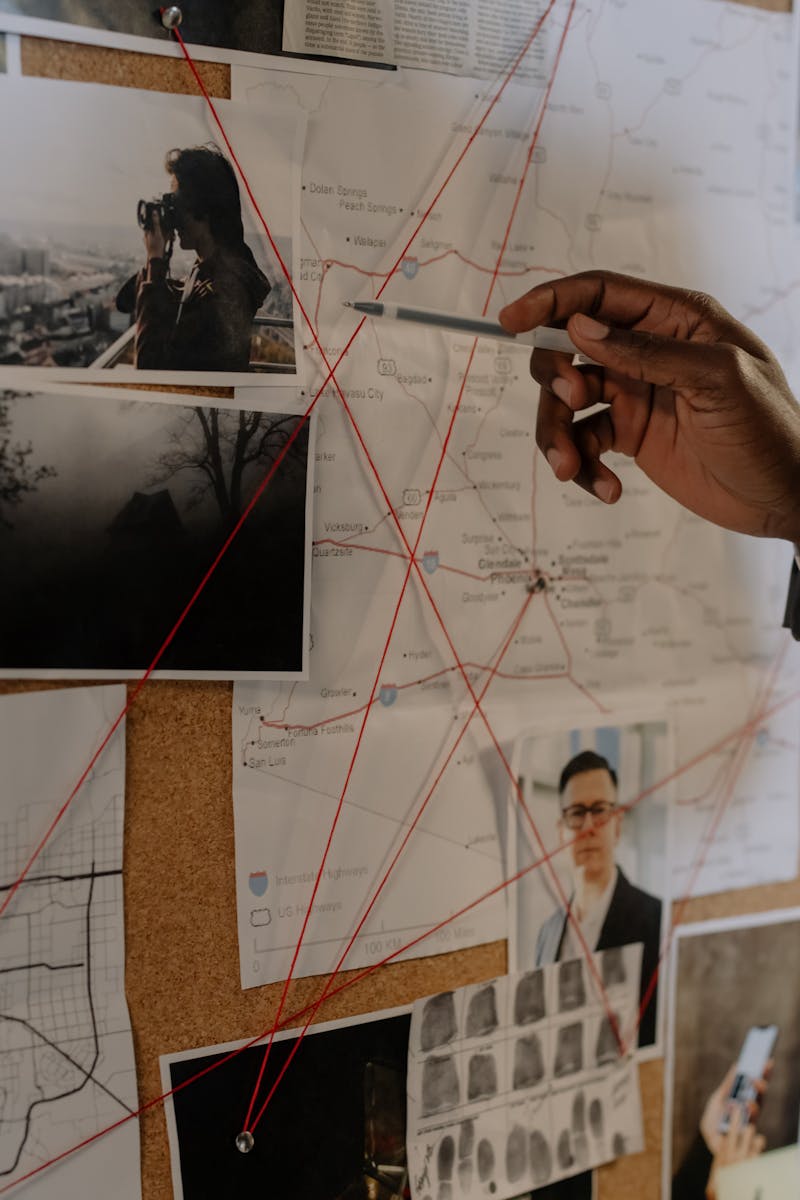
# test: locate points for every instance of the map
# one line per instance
(66, 1051)
(459, 593)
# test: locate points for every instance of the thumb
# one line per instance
(661, 361)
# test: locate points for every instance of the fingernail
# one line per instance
(604, 490)
(589, 328)
(556, 460)
(562, 389)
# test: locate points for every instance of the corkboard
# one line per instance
(180, 909)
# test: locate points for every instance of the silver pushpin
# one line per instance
(245, 1141)
(171, 16)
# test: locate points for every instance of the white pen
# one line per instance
(542, 336)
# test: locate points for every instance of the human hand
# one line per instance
(719, 1104)
(155, 243)
(737, 1145)
(692, 395)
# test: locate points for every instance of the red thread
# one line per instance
(352, 980)
(248, 1125)
(463, 911)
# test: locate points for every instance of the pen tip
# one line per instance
(347, 303)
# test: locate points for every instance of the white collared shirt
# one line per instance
(591, 922)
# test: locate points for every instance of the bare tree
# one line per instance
(217, 446)
(18, 475)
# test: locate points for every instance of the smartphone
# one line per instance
(754, 1055)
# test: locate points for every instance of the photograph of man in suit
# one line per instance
(606, 906)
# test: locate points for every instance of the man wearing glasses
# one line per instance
(606, 907)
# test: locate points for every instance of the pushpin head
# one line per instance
(245, 1141)
(171, 16)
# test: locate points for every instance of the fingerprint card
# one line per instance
(524, 1080)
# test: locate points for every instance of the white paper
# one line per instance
(71, 247)
(463, 37)
(66, 1051)
(634, 608)
(286, 788)
(518, 1082)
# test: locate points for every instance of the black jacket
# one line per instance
(792, 617)
(691, 1179)
(209, 329)
(633, 916)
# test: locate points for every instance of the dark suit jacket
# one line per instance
(792, 618)
(633, 916)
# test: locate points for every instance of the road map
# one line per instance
(66, 1051)
(662, 149)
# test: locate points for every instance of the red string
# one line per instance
(365, 972)
(250, 1125)
(412, 826)
(137, 689)
(357, 748)
(736, 766)
(538, 863)
(153, 665)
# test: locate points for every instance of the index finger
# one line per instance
(631, 303)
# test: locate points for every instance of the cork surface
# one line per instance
(180, 912)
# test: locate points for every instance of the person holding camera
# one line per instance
(202, 323)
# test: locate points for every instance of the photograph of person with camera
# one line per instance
(148, 258)
(204, 321)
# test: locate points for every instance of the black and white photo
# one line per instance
(732, 1078)
(345, 1089)
(601, 822)
(130, 247)
(113, 507)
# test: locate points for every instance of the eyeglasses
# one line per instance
(575, 816)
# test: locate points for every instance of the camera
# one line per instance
(165, 207)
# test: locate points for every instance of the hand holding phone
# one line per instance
(754, 1055)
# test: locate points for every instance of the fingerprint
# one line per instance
(445, 1156)
(571, 988)
(465, 1174)
(564, 1150)
(529, 1003)
(579, 1113)
(439, 1084)
(485, 1159)
(607, 1049)
(541, 1158)
(482, 1013)
(613, 967)
(482, 1077)
(516, 1154)
(596, 1121)
(466, 1139)
(569, 1050)
(438, 1021)
(580, 1146)
(528, 1061)
(619, 1146)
